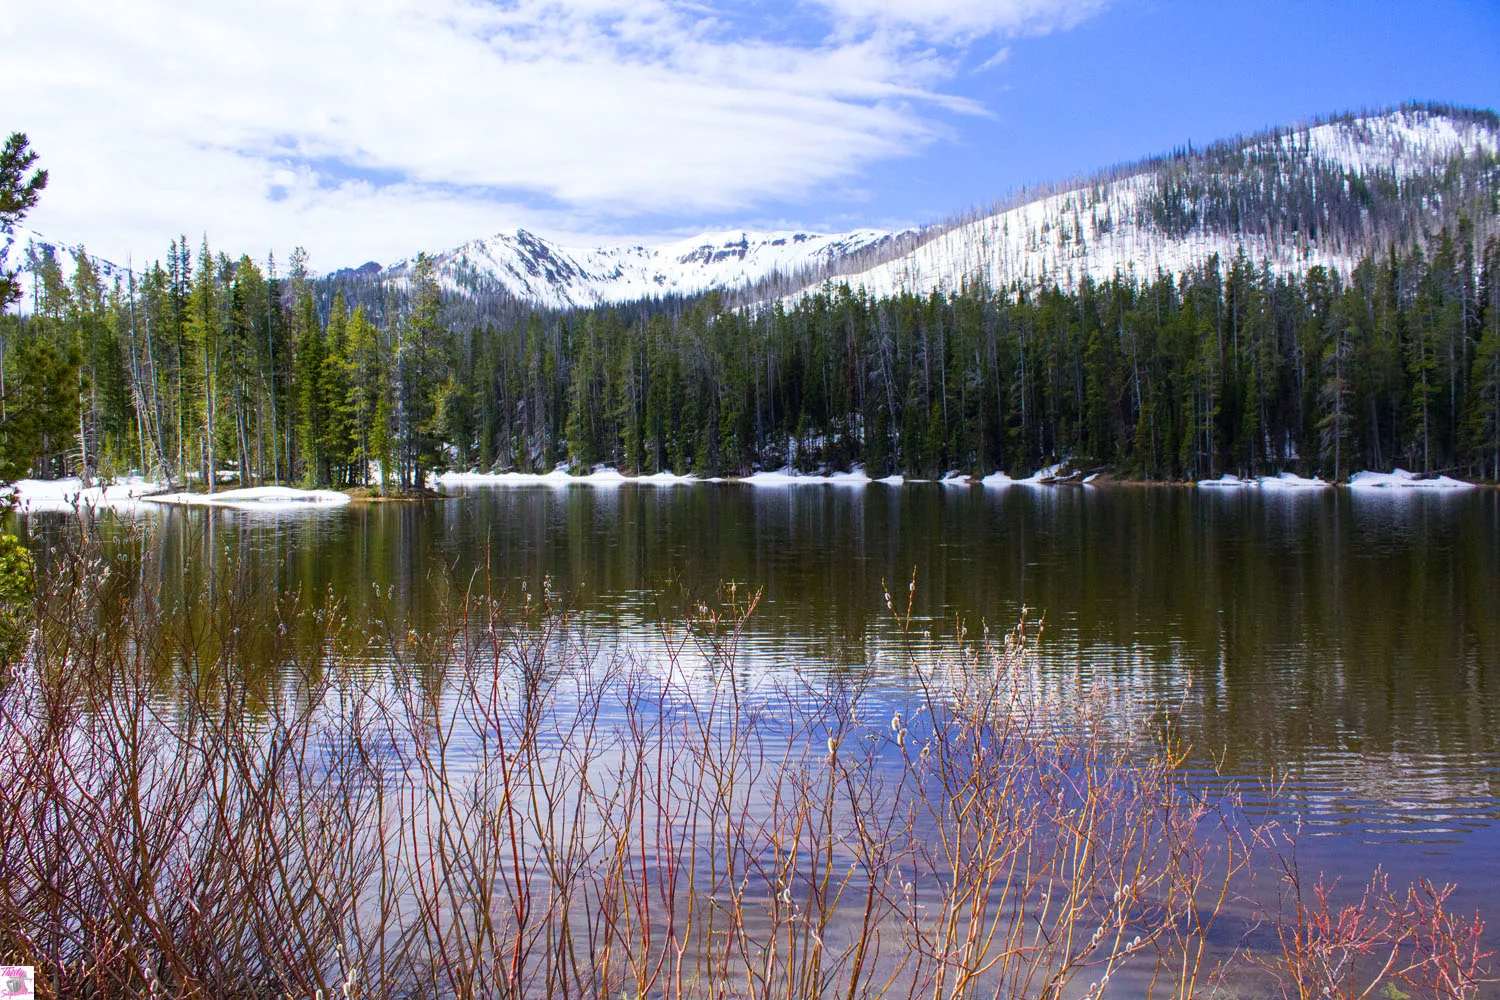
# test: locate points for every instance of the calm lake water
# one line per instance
(1346, 643)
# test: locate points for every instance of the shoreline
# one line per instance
(1396, 480)
(133, 492)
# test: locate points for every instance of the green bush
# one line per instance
(16, 581)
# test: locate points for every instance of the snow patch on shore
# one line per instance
(664, 479)
(1286, 481)
(1041, 477)
(1052, 475)
(1403, 480)
(65, 495)
(1292, 481)
(134, 494)
(256, 498)
(557, 477)
(791, 477)
(561, 476)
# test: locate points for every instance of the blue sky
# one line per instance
(369, 129)
(1143, 78)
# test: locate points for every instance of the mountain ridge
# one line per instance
(531, 268)
(1259, 194)
(1324, 192)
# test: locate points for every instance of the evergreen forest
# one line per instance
(215, 368)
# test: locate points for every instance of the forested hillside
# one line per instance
(1329, 193)
(204, 363)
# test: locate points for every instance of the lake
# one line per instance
(1344, 645)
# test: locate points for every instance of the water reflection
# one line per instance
(1349, 643)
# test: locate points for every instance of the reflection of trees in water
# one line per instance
(1298, 629)
(501, 806)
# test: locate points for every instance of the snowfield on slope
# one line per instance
(1094, 231)
(559, 277)
(1067, 237)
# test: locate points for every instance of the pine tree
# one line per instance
(240, 368)
(307, 404)
(204, 330)
(39, 421)
(338, 444)
(1335, 393)
(18, 195)
(1483, 425)
(418, 361)
(366, 398)
(1184, 376)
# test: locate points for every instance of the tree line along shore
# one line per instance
(205, 363)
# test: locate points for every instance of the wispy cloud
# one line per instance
(366, 129)
(965, 20)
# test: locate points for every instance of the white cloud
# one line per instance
(367, 128)
(953, 20)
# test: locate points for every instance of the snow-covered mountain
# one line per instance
(1325, 194)
(1329, 193)
(24, 250)
(535, 270)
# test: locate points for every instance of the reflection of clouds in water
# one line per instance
(1369, 796)
(1346, 640)
(1384, 798)
(1329, 774)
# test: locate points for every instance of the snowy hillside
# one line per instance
(1060, 239)
(28, 252)
(530, 268)
(1325, 194)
